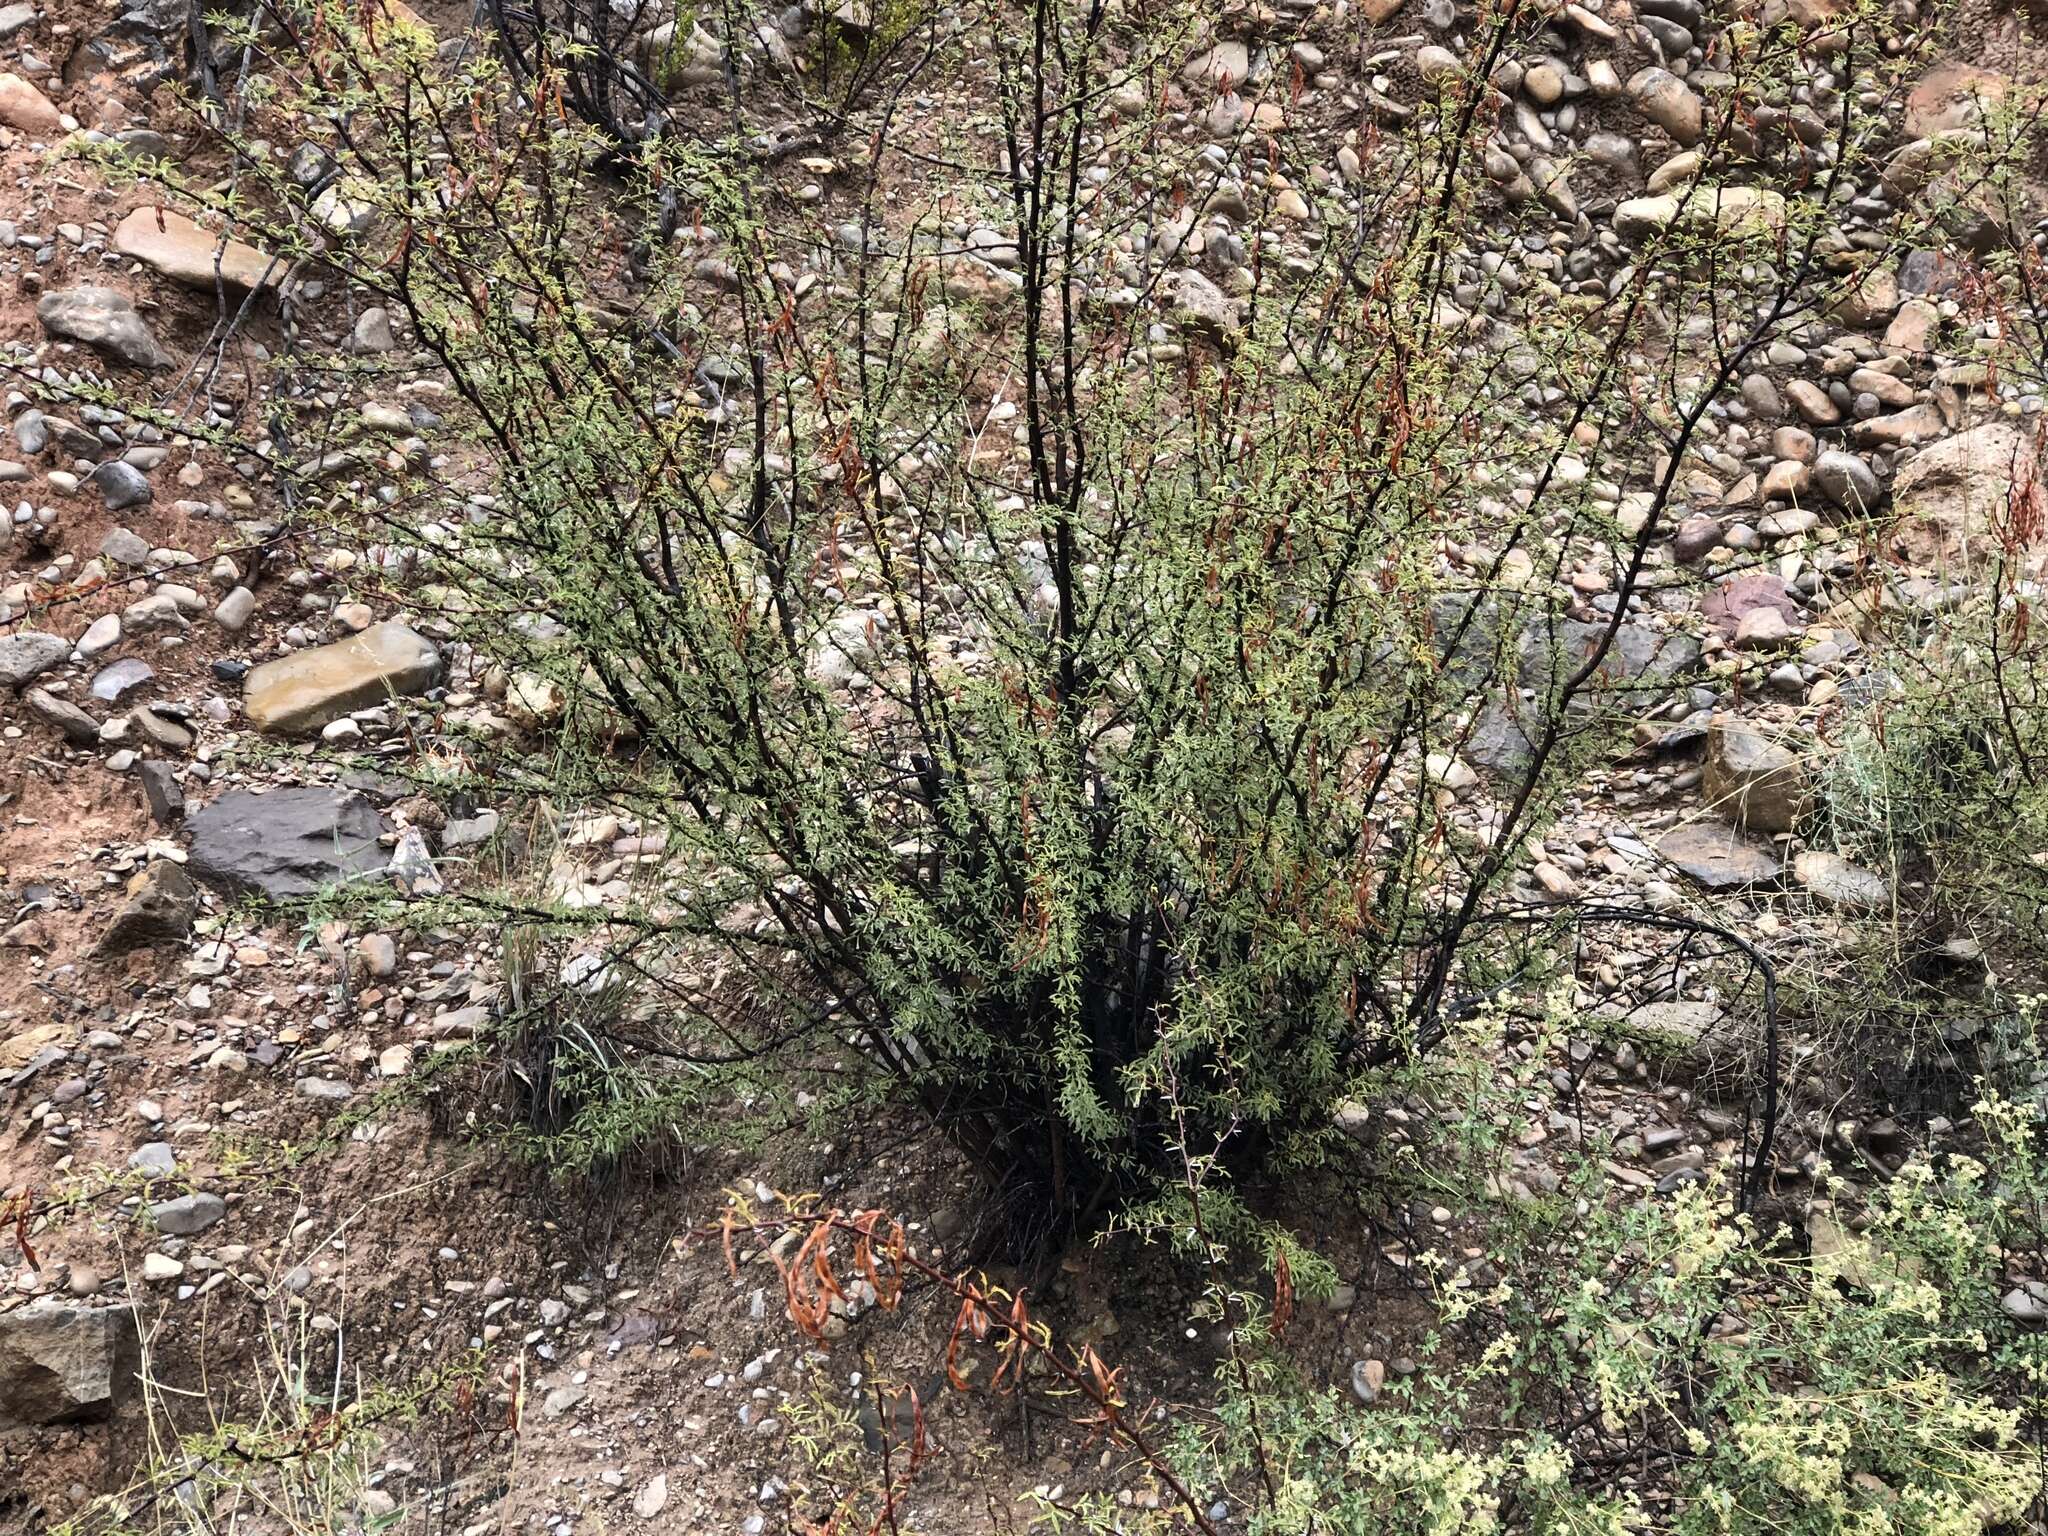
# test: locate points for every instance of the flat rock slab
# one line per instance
(1636, 669)
(1833, 881)
(284, 843)
(63, 1364)
(1718, 858)
(104, 320)
(298, 694)
(187, 253)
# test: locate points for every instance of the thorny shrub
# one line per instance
(1042, 676)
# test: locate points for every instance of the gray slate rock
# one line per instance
(70, 722)
(104, 320)
(161, 907)
(27, 656)
(121, 485)
(1718, 858)
(284, 843)
(63, 1364)
(1635, 671)
(161, 790)
(188, 1215)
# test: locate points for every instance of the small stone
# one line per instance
(184, 252)
(468, 832)
(235, 610)
(100, 636)
(124, 546)
(70, 722)
(1367, 1378)
(121, 485)
(1847, 481)
(1912, 328)
(1786, 480)
(1695, 539)
(1764, 629)
(161, 791)
(562, 1400)
(1223, 66)
(161, 907)
(1813, 403)
(1755, 782)
(372, 332)
(2026, 1302)
(188, 1215)
(300, 693)
(123, 676)
(1669, 103)
(380, 955)
(1790, 524)
(27, 655)
(652, 1498)
(63, 1364)
(155, 1158)
(160, 730)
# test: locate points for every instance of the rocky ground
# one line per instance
(229, 1128)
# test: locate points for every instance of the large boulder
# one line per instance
(187, 253)
(298, 694)
(1970, 498)
(284, 843)
(1756, 783)
(63, 1364)
(104, 320)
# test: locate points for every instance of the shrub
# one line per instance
(1038, 698)
(1671, 1367)
(1598, 1359)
